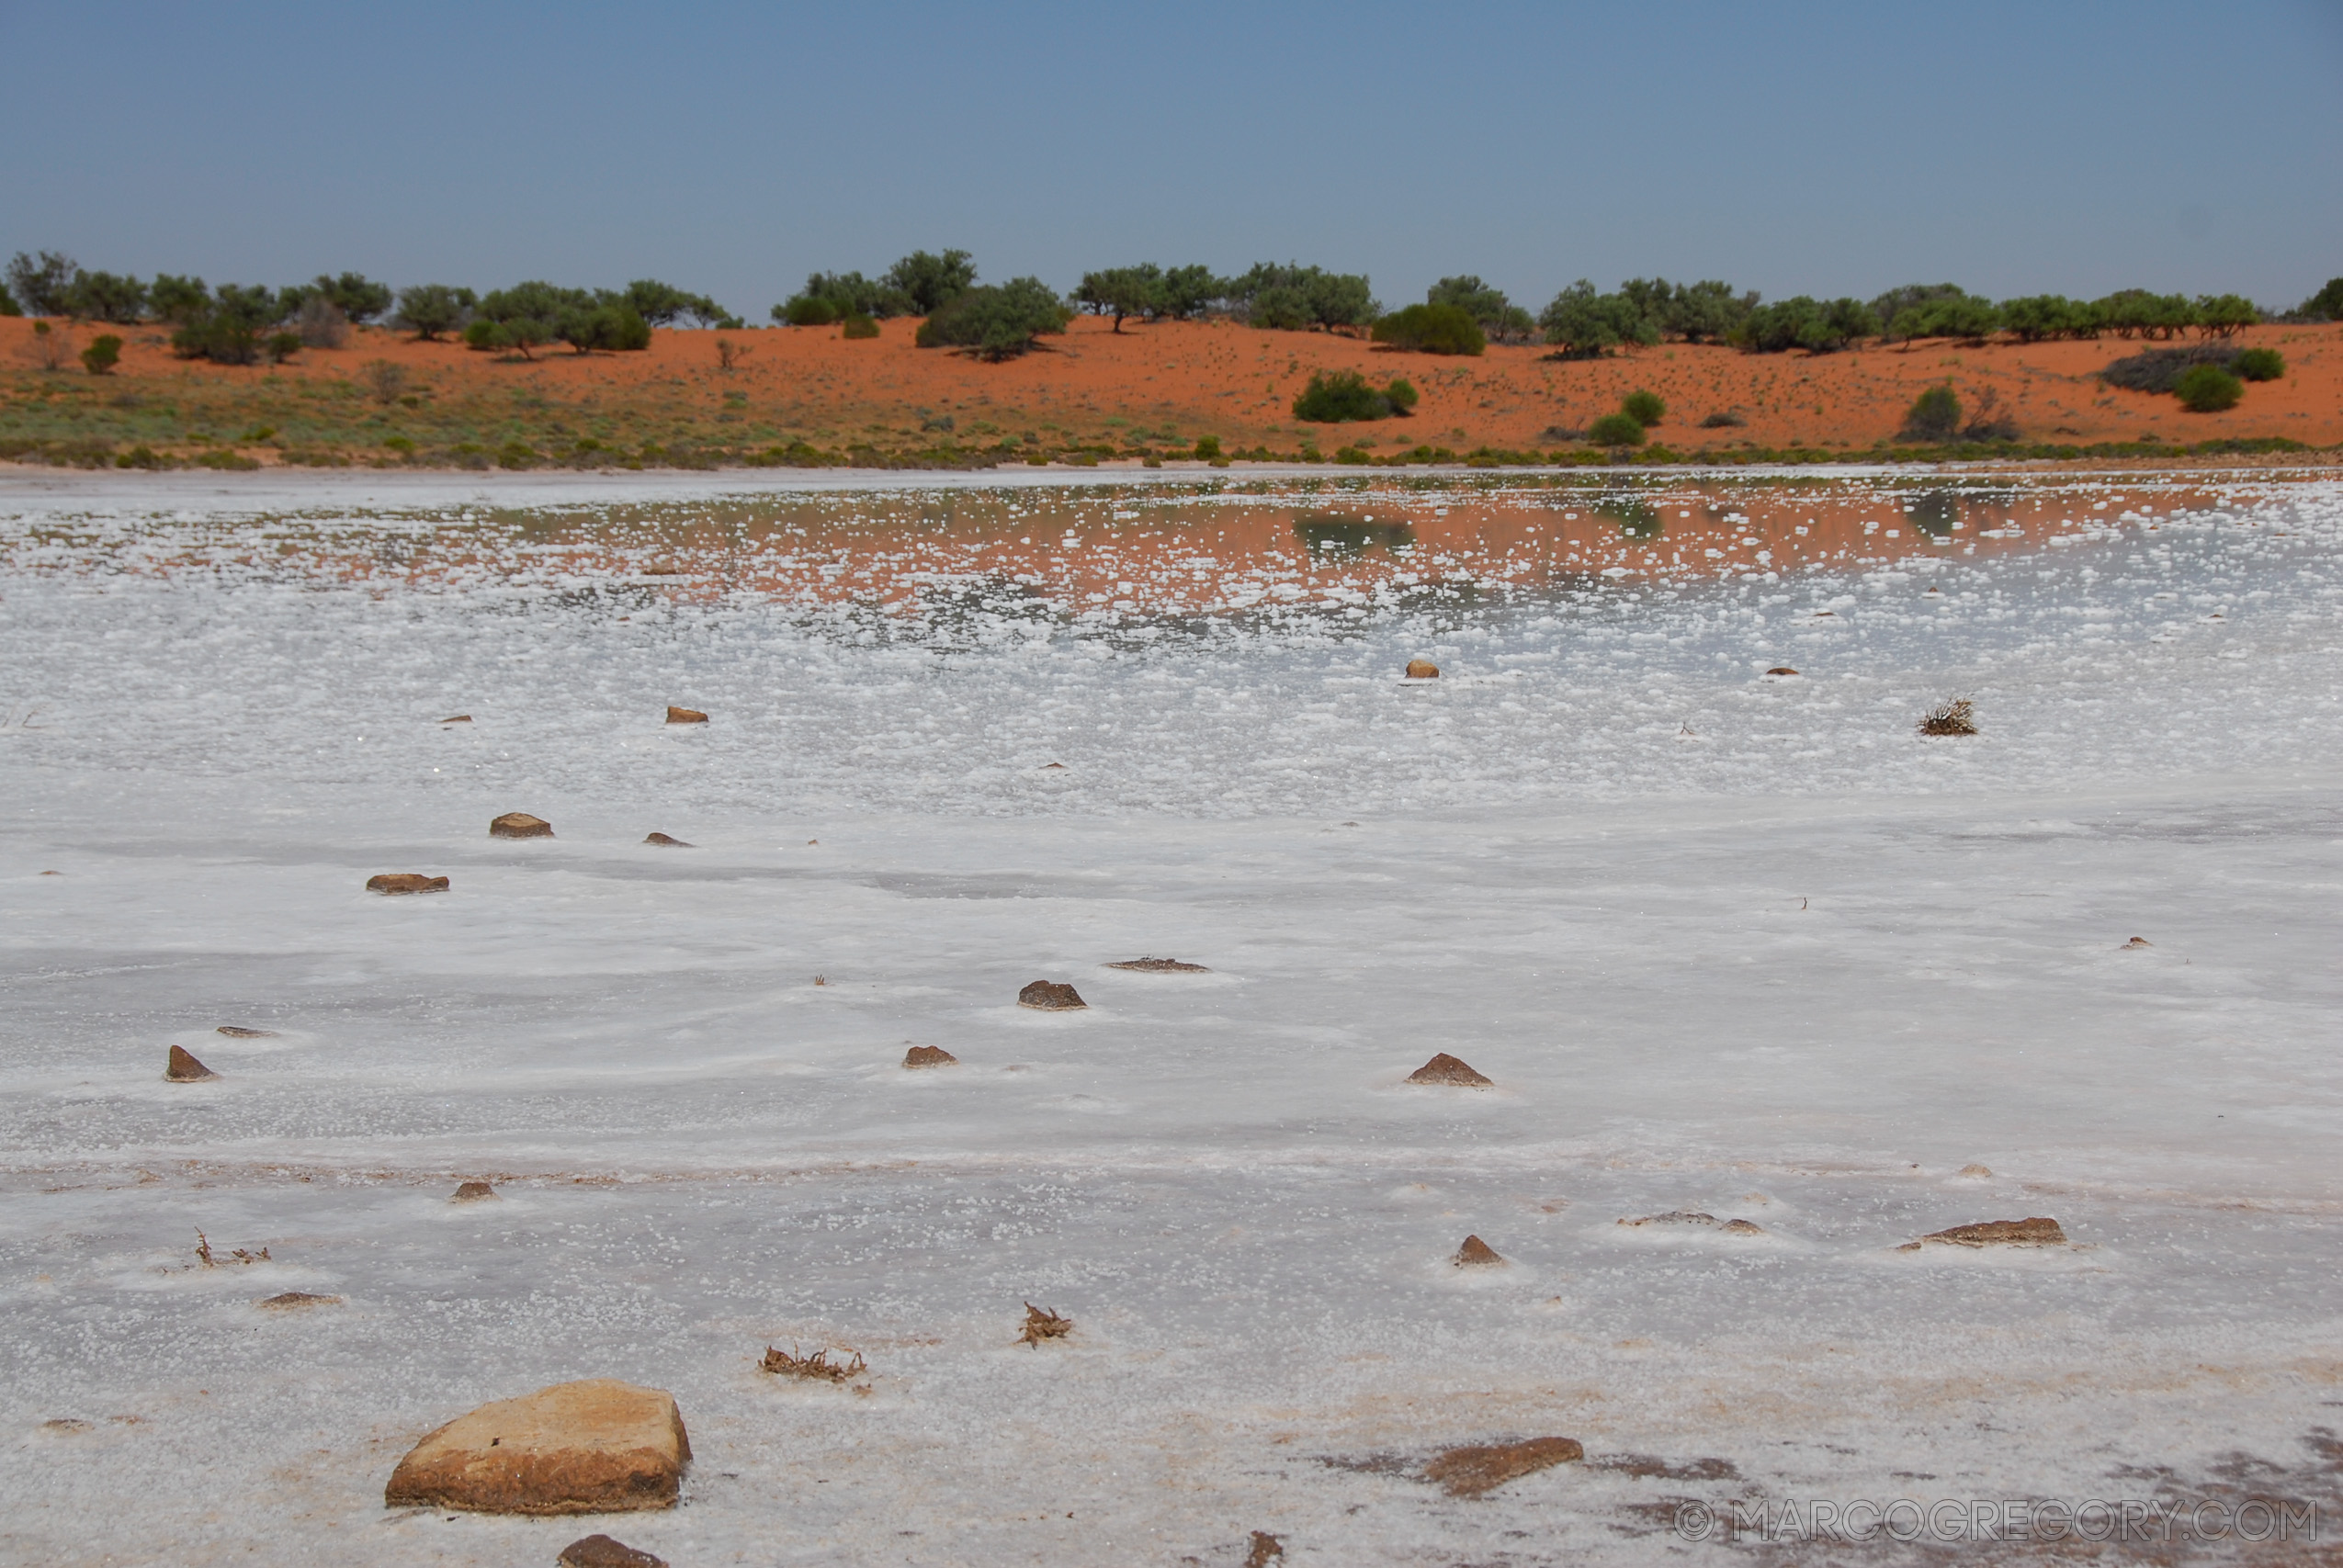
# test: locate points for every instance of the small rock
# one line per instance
(2035, 1232)
(596, 1446)
(1051, 996)
(929, 1056)
(473, 1192)
(1469, 1472)
(405, 882)
(293, 1301)
(1477, 1254)
(184, 1069)
(2139, 942)
(1160, 967)
(1694, 1217)
(66, 1425)
(460, 718)
(1782, 670)
(1051, 767)
(601, 1551)
(1266, 1549)
(684, 715)
(1422, 670)
(671, 843)
(1975, 1172)
(1445, 1068)
(237, 1032)
(520, 825)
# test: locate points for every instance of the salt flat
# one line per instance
(1726, 942)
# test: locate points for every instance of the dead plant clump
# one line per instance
(1266, 1549)
(1954, 718)
(1042, 1324)
(203, 1254)
(817, 1366)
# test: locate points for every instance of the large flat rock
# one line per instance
(600, 1446)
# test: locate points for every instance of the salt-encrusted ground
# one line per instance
(1731, 943)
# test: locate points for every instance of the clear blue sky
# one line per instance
(1825, 149)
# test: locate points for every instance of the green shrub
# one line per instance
(1208, 447)
(2259, 365)
(858, 326)
(2039, 316)
(178, 300)
(806, 310)
(611, 325)
(283, 347)
(1584, 325)
(2225, 315)
(995, 323)
(103, 352)
(42, 284)
(2160, 369)
(141, 456)
(1645, 408)
(1615, 430)
(2327, 305)
(401, 445)
(1343, 396)
(1497, 316)
(2135, 312)
(1934, 417)
(1724, 419)
(663, 304)
(1698, 312)
(2208, 388)
(102, 296)
(9, 306)
(1293, 296)
(1963, 316)
(1121, 291)
(932, 282)
(1431, 329)
(429, 308)
(1814, 325)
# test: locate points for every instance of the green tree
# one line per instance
(2135, 312)
(1615, 430)
(2222, 315)
(358, 296)
(9, 306)
(104, 353)
(832, 295)
(2208, 388)
(1957, 316)
(932, 282)
(996, 323)
(2038, 316)
(227, 329)
(2259, 365)
(1121, 291)
(1431, 329)
(42, 284)
(1497, 316)
(1189, 291)
(1815, 326)
(1707, 311)
(1585, 325)
(609, 323)
(1338, 397)
(178, 299)
(1934, 417)
(1293, 296)
(428, 310)
(663, 304)
(1896, 301)
(858, 326)
(2327, 305)
(102, 296)
(1645, 408)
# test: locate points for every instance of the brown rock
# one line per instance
(601, 1551)
(2036, 1232)
(1266, 1550)
(520, 825)
(1051, 996)
(1445, 1068)
(596, 1446)
(1043, 1323)
(2139, 942)
(460, 718)
(1782, 670)
(293, 1301)
(237, 1032)
(1469, 1472)
(184, 1069)
(1977, 1171)
(405, 882)
(1422, 670)
(473, 1192)
(684, 715)
(1477, 1254)
(1160, 967)
(929, 1056)
(671, 843)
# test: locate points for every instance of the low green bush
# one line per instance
(102, 355)
(1431, 329)
(283, 347)
(1342, 396)
(995, 322)
(807, 310)
(2208, 388)
(2259, 365)
(1616, 430)
(1645, 408)
(1935, 416)
(859, 326)
(1208, 447)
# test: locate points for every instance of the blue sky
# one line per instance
(1822, 148)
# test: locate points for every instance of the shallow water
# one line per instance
(1730, 942)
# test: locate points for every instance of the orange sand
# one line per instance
(1185, 379)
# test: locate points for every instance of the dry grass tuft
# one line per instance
(1952, 717)
(203, 1254)
(817, 1366)
(1042, 1324)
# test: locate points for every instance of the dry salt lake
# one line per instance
(1660, 852)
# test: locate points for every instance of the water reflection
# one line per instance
(1331, 533)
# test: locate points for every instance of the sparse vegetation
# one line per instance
(858, 326)
(1043, 1323)
(1723, 419)
(1955, 716)
(1342, 396)
(816, 1366)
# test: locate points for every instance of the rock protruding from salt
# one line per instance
(294, 1301)
(473, 1192)
(520, 825)
(182, 1068)
(930, 1056)
(1422, 670)
(684, 715)
(1477, 1254)
(2139, 942)
(2040, 1230)
(1445, 1068)
(1695, 1217)
(405, 882)
(1160, 967)
(1782, 670)
(1051, 996)
(602, 1552)
(670, 843)
(596, 1447)
(1469, 1472)
(238, 1031)
(458, 719)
